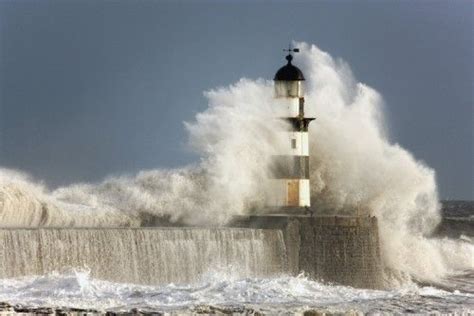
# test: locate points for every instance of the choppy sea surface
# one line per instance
(219, 289)
(281, 295)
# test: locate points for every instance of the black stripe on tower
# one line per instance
(290, 167)
(299, 124)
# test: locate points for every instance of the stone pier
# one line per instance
(343, 250)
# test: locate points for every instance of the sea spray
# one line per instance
(235, 138)
(355, 169)
(24, 203)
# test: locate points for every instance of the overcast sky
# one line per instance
(94, 88)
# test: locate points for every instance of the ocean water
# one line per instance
(280, 295)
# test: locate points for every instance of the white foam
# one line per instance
(77, 289)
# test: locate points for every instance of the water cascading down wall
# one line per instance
(344, 250)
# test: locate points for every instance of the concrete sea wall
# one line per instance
(342, 250)
(144, 255)
(334, 249)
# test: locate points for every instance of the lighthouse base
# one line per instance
(288, 211)
(343, 250)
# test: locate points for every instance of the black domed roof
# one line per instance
(289, 72)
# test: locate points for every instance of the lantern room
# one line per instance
(289, 81)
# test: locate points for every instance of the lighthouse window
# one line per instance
(293, 143)
(288, 89)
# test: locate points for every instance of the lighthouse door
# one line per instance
(293, 193)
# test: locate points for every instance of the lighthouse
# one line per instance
(290, 168)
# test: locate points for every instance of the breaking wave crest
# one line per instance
(355, 169)
(24, 203)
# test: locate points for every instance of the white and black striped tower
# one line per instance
(291, 169)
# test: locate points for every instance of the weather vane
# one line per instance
(291, 50)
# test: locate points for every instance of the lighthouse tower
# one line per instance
(291, 165)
